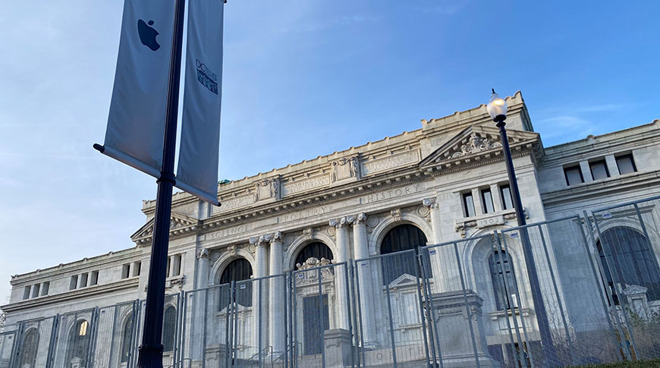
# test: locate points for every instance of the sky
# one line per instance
(302, 78)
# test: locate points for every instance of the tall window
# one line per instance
(625, 164)
(627, 258)
(169, 328)
(126, 339)
(78, 343)
(401, 238)
(468, 204)
(317, 250)
(487, 201)
(599, 170)
(573, 175)
(238, 270)
(505, 192)
(504, 280)
(28, 357)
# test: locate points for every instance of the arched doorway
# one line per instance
(312, 302)
(627, 258)
(316, 250)
(78, 343)
(399, 239)
(28, 357)
(127, 339)
(237, 270)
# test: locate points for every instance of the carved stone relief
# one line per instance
(475, 144)
(345, 168)
(268, 189)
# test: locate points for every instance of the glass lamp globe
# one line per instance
(496, 107)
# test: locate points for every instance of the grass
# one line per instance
(644, 364)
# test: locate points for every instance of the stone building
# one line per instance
(363, 215)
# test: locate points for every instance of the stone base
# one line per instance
(338, 352)
(450, 314)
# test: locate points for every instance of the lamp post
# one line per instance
(497, 108)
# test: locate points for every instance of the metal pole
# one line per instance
(537, 298)
(151, 351)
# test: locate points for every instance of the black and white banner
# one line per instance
(197, 172)
(136, 122)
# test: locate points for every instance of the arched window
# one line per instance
(317, 250)
(169, 328)
(126, 339)
(78, 343)
(401, 238)
(238, 270)
(28, 357)
(504, 280)
(627, 258)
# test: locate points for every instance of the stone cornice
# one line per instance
(78, 266)
(618, 184)
(180, 225)
(388, 145)
(395, 179)
(648, 134)
(82, 293)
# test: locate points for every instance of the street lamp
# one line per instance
(497, 108)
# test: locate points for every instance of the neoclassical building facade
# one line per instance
(368, 208)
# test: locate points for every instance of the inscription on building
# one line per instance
(392, 193)
(294, 216)
(390, 162)
(305, 185)
(233, 203)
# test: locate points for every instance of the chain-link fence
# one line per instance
(472, 302)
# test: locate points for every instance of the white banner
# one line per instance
(136, 123)
(200, 130)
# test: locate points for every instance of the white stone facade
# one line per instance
(350, 201)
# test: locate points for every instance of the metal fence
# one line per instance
(464, 303)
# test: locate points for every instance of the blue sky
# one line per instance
(301, 79)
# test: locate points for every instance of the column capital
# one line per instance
(360, 218)
(430, 202)
(342, 221)
(276, 237)
(203, 254)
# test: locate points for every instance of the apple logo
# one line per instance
(148, 34)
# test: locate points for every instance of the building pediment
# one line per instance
(179, 224)
(477, 145)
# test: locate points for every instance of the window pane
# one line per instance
(599, 170)
(468, 204)
(625, 164)
(507, 202)
(573, 175)
(487, 198)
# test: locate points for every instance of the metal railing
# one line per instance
(465, 302)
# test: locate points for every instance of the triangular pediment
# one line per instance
(477, 144)
(403, 280)
(178, 224)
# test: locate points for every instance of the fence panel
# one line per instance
(7, 345)
(391, 326)
(320, 323)
(627, 241)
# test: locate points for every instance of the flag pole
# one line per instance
(150, 353)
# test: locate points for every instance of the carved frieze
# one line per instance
(389, 162)
(268, 189)
(345, 168)
(475, 144)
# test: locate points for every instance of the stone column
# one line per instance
(341, 307)
(259, 293)
(201, 304)
(364, 269)
(443, 258)
(497, 197)
(276, 308)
